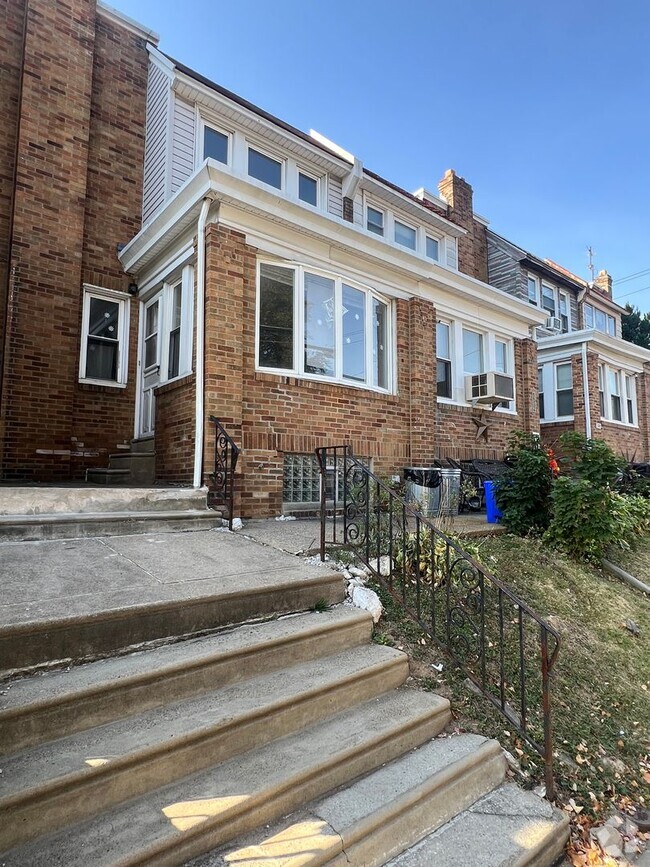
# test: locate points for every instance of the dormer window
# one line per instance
(433, 249)
(375, 221)
(405, 235)
(215, 145)
(264, 168)
(307, 189)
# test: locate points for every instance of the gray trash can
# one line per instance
(433, 491)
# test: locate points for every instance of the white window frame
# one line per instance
(531, 278)
(407, 225)
(124, 315)
(186, 281)
(450, 358)
(370, 204)
(624, 376)
(557, 390)
(200, 158)
(560, 296)
(320, 187)
(489, 338)
(549, 389)
(299, 329)
(430, 236)
(270, 154)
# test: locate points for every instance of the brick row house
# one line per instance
(176, 252)
(591, 381)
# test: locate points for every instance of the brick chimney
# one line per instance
(604, 282)
(472, 248)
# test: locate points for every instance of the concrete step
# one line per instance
(37, 709)
(108, 475)
(381, 814)
(507, 828)
(56, 499)
(91, 771)
(81, 600)
(143, 445)
(141, 466)
(44, 527)
(170, 825)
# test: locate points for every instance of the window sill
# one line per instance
(102, 383)
(447, 401)
(322, 380)
(623, 424)
(563, 419)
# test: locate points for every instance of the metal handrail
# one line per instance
(456, 601)
(226, 452)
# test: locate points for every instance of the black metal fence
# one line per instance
(222, 478)
(505, 648)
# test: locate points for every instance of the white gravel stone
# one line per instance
(367, 599)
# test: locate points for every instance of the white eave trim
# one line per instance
(622, 351)
(128, 23)
(244, 196)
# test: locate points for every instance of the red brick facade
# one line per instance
(632, 442)
(78, 164)
(270, 414)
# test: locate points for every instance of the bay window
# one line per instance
(564, 390)
(598, 319)
(317, 324)
(617, 394)
(472, 352)
(443, 360)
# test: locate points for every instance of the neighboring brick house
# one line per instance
(72, 92)
(326, 290)
(590, 379)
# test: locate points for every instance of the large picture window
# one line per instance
(321, 325)
(104, 337)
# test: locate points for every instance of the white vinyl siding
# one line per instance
(183, 143)
(335, 196)
(451, 252)
(156, 139)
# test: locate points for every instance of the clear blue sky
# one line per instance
(544, 107)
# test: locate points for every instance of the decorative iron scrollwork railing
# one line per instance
(505, 648)
(222, 478)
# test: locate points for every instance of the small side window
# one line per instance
(215, 145)
(104, 337)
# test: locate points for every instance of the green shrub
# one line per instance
(583, 523)
(589, 459)
(523, 494)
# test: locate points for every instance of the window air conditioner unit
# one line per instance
(554, 323)
(490, 387)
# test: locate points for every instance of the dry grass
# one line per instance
(601, 684)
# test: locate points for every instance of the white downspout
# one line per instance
(200, 343)
(585, 389)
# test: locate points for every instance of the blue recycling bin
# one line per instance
(493, 512)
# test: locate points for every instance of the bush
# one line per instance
(523, 494)
(592, 460)
(583, 524)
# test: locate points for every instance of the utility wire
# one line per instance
(632, 276)
(634, 292)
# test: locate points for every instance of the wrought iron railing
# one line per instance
(222, 478)
(505, 648)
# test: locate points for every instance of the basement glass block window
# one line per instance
(264, 168)
(215, 145)
(301, 481)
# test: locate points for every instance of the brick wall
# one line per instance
(270, 415)
(175, 432)
(78, 194)
(12, 22)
